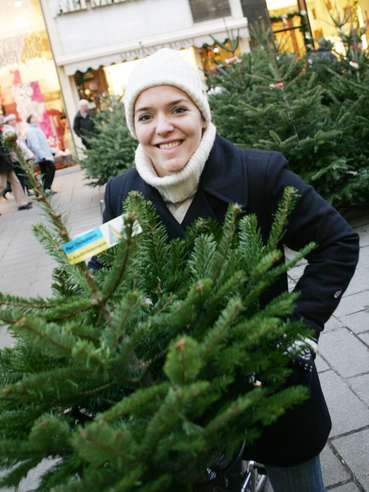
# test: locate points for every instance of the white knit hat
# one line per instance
(165, 67)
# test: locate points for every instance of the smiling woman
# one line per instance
(189, 172)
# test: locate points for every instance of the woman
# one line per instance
(37, 143)
(7, 174)
(188, 171)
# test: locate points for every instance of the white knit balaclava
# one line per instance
(165, 67)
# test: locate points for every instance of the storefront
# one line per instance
(28, 79)
(93, 85)
(300, 24)
(96, 43)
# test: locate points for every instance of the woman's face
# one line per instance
(168, 126)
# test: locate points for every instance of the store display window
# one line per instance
(92, 86)
(216, 57)
(290, 25)
(300, 25)
(28, 77)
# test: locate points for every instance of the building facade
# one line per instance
(96, 43)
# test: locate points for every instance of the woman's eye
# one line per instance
(143, 117)
(180, 109)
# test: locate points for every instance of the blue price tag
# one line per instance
(82, 241)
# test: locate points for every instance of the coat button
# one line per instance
(337, 294)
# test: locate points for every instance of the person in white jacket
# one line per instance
(38, 144)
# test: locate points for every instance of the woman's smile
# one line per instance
(165, 146)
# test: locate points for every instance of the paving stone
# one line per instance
(42, 287)
(32, 480)
(348, 487)
(358, 283)
(332, 468)
(360, 385)
(358, 322)
(364, 337)
(354, 449)
(364, 236)
(6, 340)
(364, 256)
(321, 364)
(332, 324)
(352, 304)
(296, 272)
(344, 352)
(347, 411)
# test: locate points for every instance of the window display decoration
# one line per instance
(20, 49)
(92, 85)
(219, 55)
(30, 100)
(303, 26)
(36, 45)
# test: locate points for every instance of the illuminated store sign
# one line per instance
(69, 6)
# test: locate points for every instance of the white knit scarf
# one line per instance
(178, 190)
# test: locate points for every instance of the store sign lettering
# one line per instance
(68, 6)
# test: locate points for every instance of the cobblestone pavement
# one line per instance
(343, 361)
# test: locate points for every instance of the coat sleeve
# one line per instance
(332, 263)
(76, 127)
(34, 145)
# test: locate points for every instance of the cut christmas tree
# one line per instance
(139, 377)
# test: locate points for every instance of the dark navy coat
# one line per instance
(256, 179)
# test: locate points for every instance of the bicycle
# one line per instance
(237, 475)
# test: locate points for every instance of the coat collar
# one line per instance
(224, 175)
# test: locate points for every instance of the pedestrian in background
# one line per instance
(39, 146)
(10, 125)
(83, 124)
(7, 175)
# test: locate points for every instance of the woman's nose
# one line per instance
(163, 124)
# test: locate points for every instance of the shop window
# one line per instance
(291, 25)
(209, 9)
(288, 33)
(300, 24)
(217, 57)
(92, 85)
(28, 78)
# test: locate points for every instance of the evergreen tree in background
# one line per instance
(140, 377)
(274, 101)
(112, 147)
(348, 91)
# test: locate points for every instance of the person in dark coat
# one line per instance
(83, 124)
(7, 174)
(188, 171)
(10, 125)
